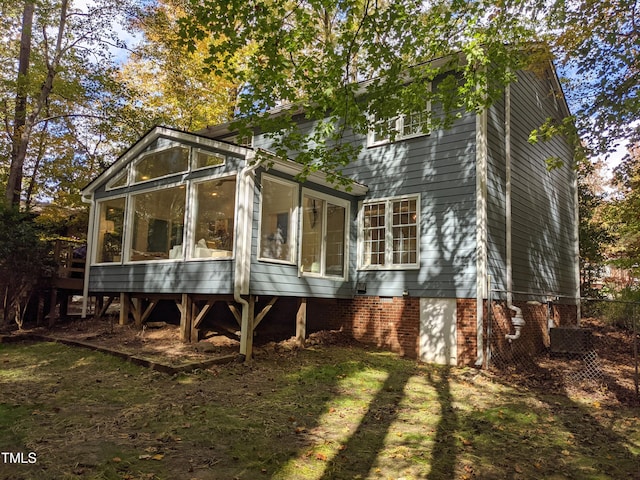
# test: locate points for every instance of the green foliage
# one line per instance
(24, 259)
(623, 309)
(597, 42)
(307, 59)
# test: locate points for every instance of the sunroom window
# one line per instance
(111, 220)
(390, 233)
(202, 159)
(277, 222)
(160, 163)
(214, 218)
(323, 245)
(158, 224)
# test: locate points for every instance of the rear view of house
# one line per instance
(434, 223)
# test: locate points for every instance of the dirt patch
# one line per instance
(606, 375)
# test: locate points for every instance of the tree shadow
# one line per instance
(369, 438)
(445, 450)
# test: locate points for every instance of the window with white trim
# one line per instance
(408, 124)
(323, 247)
(278, 220)
(389, 233)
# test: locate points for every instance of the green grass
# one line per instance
(326, 413)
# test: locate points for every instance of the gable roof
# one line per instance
(147, 139)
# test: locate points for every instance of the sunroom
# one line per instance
(196, 221)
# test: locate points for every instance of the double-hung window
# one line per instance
(405, 125)
(389, 233)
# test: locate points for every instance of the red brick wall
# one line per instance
(466, 331)
(391, 323)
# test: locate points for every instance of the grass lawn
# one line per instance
(319, 413)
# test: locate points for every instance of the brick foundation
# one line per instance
(393, 323)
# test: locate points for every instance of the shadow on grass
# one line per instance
(444, 453)
(369, 438)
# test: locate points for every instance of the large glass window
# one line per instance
(323, 236)
(277, 230)
(111, 221)
(158, 224)
(390, 233)
(160, 163)
(214, 215)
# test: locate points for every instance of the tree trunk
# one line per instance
(20, 134)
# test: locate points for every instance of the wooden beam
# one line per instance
(136, 311)
(301, 322)
(264, 311)
(186, 316)
(236, 313)
(148, 310)
(104, 306)
(197, 316)
(125, 304)
(246, 329)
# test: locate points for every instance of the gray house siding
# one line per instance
(496, 197)
(441, 168)
(543, 202)
(200, 277)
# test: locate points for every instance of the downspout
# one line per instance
(481, 230)
(507, 194)
(89, 253)
(243, 247)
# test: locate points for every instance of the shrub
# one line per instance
(24, 259)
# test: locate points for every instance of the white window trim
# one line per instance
(96, 228)
(192, 159)
(134, 164)
(388, 233)
(294, 222)
(341, 203)
(399, 127)
(126, 171)
(189, 218)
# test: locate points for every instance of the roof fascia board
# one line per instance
(292, 168)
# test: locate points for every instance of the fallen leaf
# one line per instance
(321, 456)
(158, 456)
(116, 459)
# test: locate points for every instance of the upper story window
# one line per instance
(406, 125)
(161, 163)
(278, 220)
(389, 233)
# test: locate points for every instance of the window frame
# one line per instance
(130, 216)
(192, 159)
(190, 219)
(96, 228)
(341, 202)
(388, 231)
(294, 227)
(143, 155)
(399, 126)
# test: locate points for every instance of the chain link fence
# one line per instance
(541, 339)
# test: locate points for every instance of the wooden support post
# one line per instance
(125, 305)
(246, 329)
(186, 317)
(136, 310)
(301, 322)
